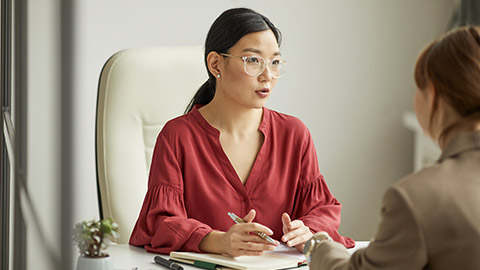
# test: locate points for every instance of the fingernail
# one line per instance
(270, 232)
(289, 243)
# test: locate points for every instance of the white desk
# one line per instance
(126, 257)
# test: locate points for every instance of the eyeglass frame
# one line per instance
(267, 63)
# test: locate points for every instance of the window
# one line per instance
(7, 135)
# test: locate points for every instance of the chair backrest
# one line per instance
(139, 91)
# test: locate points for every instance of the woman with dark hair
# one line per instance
(229, 153)
(431, 219)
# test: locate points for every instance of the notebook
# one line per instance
(282, 257)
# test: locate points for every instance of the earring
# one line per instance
(218, 76)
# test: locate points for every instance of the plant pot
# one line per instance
(87, 263)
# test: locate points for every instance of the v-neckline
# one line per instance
(227, 167)
(233, 173)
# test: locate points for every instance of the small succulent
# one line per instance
(92, 236)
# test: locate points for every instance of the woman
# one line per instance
(230, 154)
(431, 219)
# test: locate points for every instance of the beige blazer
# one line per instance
(429, 220)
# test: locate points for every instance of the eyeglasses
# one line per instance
(255, 65)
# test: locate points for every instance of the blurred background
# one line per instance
(349, 79)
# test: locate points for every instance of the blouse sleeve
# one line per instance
(163, 224)
(315, 204)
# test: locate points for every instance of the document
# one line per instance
(282, 257)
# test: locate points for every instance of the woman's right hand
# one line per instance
(239, 239)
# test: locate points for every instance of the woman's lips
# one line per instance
(263, 93)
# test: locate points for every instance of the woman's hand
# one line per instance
(239, 239)
(295, 233)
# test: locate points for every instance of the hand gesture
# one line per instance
(295, 233)
(241, 239)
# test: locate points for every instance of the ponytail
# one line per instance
(203, 96)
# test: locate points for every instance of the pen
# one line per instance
(167, 263)
(237, 219)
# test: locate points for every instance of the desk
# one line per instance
(126, 257)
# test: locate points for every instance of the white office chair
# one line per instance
(139, 90)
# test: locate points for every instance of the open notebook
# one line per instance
(282, 257)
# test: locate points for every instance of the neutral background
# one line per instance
(350, 79)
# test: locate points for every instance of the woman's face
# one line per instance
(238, 88)
(422, 109)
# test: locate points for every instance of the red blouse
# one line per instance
(192, 184)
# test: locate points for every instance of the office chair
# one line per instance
(139, 91)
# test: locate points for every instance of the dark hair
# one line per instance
(452, 65)
(225, 31)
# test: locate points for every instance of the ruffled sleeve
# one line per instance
(320, 211)
(163, 224)
(315, 205)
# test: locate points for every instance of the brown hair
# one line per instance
(452, 64)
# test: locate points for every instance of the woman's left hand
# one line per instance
(295, 233)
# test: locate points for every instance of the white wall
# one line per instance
(350, 78)
(41, 199)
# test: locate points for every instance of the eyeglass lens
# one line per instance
(255, 65)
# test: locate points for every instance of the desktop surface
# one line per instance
(126, 257)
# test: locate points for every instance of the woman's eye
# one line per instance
(253, 60)
(276, 62)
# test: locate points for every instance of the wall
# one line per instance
(350, 78)
(41, 199)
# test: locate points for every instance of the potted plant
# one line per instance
(92, 238)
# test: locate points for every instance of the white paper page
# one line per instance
(291, 252)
